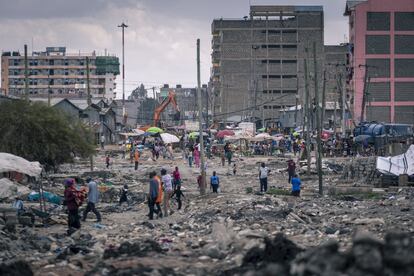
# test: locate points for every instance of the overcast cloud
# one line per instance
(161, 37)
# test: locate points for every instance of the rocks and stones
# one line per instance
(16, 268)
(137, 248)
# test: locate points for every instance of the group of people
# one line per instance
(293, 179)
(75, 197)
(161, 190)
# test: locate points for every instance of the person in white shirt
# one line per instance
(168, 188)
(263, 172)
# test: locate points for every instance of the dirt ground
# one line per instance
(213, 233)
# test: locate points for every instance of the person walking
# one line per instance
(176, 178)
(296, 185)
(178, 194)
(291, 169)
(223, 158)
(234, 169)
(196, 154)
(102, 141)
(107, 161)
(160, 196)
(123, 194)
(152, 194)
(168, 188)
(136, 158)
(72, 202)
(263, 173)
(93, 198)
(190, 158)
(214, 182)
(228, 153)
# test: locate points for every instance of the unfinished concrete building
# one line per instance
(258, 61)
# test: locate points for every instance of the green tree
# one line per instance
(40, 133)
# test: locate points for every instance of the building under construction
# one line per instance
(258, 61)
(59, 73)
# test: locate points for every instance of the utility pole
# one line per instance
(323, 98)
(48, 89)
(26, 75)
(200, 123)
(123, 26)
(318, 123)
(306, 115)
(365, 91)
(88, 88)
(342, 105)
(89, 101)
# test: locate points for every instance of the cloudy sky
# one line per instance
(161, 37)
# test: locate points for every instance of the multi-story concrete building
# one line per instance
(382, 59)
(258, 61)
(59, 73)
(336, 86)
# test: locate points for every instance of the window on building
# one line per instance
(289, 76)
(404, 92)
(379, 92)
(379, 113)
(404, 114)
(404, 68)
(270, 46)
(290, 46)
(404, 21)
(404, 44)
(378, 21)
(289, 61)
(271, 76)
(288, 31)
(378, 68)
(377, 44)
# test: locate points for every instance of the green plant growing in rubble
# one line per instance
(40, 133)
(275, 191)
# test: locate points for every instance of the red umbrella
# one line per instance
(223, 133)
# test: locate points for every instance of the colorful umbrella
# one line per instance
(223, 133)
(195, 134)
(169, 138)
(155, 130)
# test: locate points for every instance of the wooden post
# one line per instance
(306, 116)
(318, 123)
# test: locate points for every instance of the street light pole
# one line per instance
(200, 123)
(123, 26)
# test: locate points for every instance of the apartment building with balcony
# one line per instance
(382, 59)
(59, 73)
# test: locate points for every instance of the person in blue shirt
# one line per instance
(214, 182)
(296, 185)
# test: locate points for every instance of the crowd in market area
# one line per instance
(166, 185)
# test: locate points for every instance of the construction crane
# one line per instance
(169, 99)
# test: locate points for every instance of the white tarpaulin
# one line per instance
(13, 163)
(397, 165)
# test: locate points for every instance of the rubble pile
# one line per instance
(239, 231)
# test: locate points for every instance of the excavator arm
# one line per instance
(169, 99)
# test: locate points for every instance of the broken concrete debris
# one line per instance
(239, 231)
